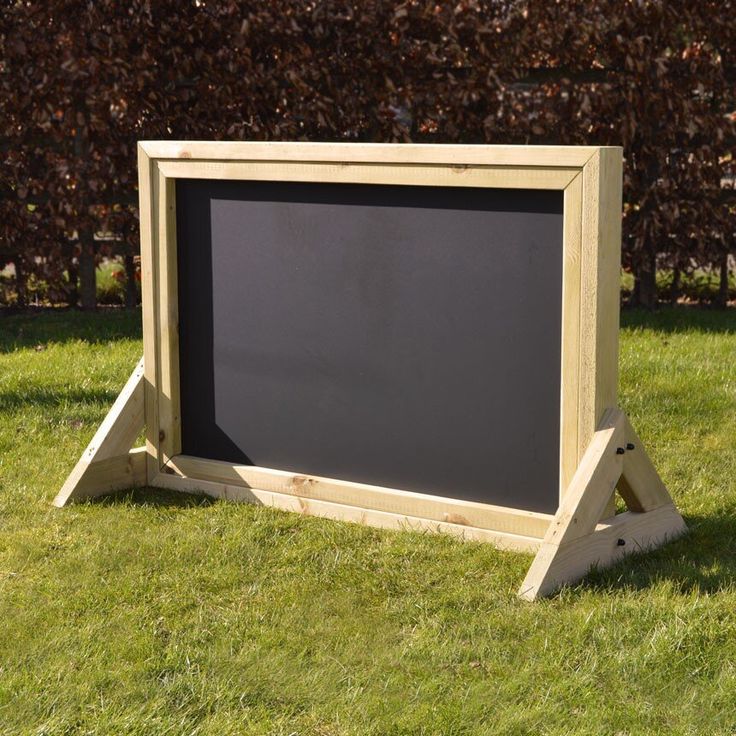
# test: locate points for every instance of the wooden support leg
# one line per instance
(108, 464)
(576, 541)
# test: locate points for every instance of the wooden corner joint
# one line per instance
(578, 540)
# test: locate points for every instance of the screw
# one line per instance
(620, 451)
(621, 543)
(630, 445)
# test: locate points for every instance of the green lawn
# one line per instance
(160, 614)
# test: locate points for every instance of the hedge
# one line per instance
(81, 82)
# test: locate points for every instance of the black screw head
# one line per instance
(620, 451)
(621, 543)
(630, 445)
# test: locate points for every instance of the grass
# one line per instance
(151, 613)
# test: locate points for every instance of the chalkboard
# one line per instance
(419, 337)
(402, 336)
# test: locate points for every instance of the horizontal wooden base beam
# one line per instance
(344, 512)
(105, 476)
(347, 493)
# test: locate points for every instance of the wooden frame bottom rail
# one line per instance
(343, 512)
(363, 496)
(567, 545)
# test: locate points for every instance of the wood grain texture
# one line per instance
(167, 394)
(546, 156)
(589, 302)
(148, 202)
(577, 540)
(608, 274)
(571, 451)
(625, 534)
(350, 173)
(593, 484)
(600, 291)
(640, 485)
(344, 512)
(113, 439)
(101, 477)
(403, 503)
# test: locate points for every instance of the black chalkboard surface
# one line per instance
(403, 336)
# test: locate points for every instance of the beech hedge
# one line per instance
(81, 82)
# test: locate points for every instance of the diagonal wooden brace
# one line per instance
(108, 464)
(577, 540)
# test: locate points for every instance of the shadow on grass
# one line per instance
(702, 561)
(681, 318)
(149, 497)
(30, 329)
(46, 398)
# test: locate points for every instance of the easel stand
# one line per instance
(109, 464)
(577, 539)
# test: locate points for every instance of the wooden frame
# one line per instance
(594, 436)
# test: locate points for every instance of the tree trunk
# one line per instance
(72, 291)
(675, 285)
(131, 293)
(87, 275)
(645, 283)
(722, 300)
(20, 283)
